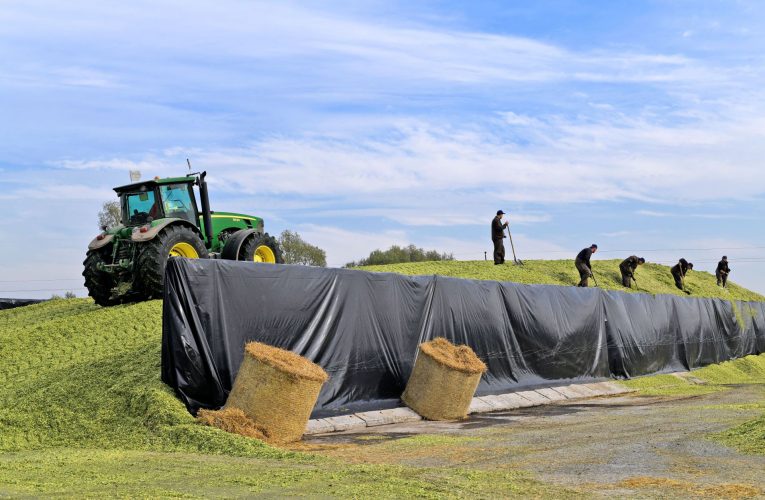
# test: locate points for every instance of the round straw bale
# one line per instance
(443, 380)
(277, 389)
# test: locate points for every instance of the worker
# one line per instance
(582, 264)
(497, 235)
(628, 267)
(679, 271)
(722, 272)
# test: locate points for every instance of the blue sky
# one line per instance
(636, 125)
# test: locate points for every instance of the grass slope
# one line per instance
(83, 413)
(651, 278)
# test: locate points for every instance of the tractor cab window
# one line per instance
(139, 207)
(177, 202)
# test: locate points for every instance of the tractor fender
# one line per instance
(139, 237)
(95, 244)
(234, 244)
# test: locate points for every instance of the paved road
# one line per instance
(610, 446)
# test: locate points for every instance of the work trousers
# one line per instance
(584, 273)
(499, 251)
(626, 278)
(678, 280)
(722, 279)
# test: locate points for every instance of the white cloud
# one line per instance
(685, 213)
(59, 193)
(419, 168)
(332, 42)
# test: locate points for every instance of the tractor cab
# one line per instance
(145, 202)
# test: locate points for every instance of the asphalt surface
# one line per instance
(624, 445)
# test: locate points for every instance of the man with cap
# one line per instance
(679, 271)
(497, 234)
(722, 272)
(582, 264)
(628, 267)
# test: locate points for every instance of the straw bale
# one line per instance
(457, 357)
(278, 390)
(232, 420)
(443, 381)
(286, 361)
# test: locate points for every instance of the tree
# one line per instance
(110, 214)
(296, 250)
(397, 254)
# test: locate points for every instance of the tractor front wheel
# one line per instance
(173, 241)
(262, 248)
(98, 283)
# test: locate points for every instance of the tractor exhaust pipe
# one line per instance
(206, 217)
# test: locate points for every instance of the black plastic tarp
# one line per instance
(12, 303)
(364, 328)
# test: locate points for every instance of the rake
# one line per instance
(516, 261)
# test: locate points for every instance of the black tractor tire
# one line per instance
(98, 283)
(153, 257)
(252, 252)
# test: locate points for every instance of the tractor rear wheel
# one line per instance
(173, 241)
(98, 283)
(262, 248)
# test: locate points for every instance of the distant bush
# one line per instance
(397, 255)
(68, 295)
(296, 250)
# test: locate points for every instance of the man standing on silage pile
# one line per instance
(497, 235)
(582, 264)
(722, 272)
(628, 267)
(679, 272)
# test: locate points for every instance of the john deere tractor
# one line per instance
(160, 219)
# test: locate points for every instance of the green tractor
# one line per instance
(160, 219)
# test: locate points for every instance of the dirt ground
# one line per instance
(627, 445)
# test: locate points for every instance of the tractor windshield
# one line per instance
(177, 202)
(139, 207)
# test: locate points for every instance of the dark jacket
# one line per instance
(584, 256)
(681, 268)
(722, 267)
(497, 228)
(629, 264)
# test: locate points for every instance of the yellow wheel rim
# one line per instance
(264, 254)
(183, 249)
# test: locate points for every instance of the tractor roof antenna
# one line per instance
(190, 174)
